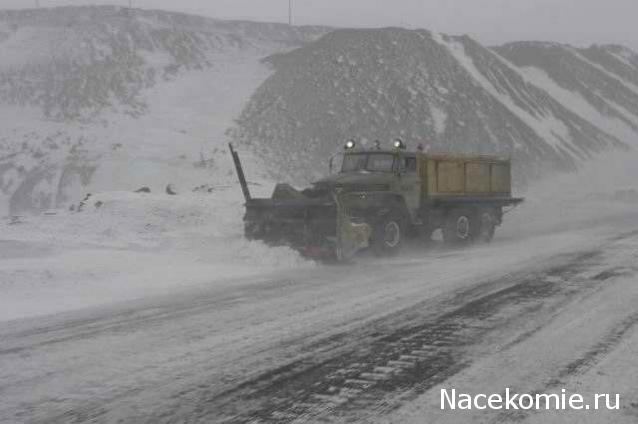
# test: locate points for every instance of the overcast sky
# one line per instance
(491, 21)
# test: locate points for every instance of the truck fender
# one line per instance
(396, 204)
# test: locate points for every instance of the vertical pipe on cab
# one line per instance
(240, 173)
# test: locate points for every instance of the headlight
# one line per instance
(399, 144)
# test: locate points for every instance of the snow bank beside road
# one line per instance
(124, 246)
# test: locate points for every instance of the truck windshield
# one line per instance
(373, 162)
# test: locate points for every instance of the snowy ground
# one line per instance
(163, 312)
(131, 246)
(141, 244)
(587, 346)
(125, 245)
(176, 356)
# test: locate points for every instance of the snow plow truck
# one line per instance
(379, 198)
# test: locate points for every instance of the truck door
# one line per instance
(411, 184)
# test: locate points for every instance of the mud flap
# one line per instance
(351, 236)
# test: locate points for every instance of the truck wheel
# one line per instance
(388, 236)
(486, 227)
(459, 227)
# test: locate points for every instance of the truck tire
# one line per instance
(387, 238)
(459, 227)
(486, 226)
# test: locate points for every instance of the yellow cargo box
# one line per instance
(447, 175)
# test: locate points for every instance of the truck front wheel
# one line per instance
(388, 236)
(459, 227)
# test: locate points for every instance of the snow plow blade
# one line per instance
(317, 228)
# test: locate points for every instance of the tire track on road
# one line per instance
(406, 362)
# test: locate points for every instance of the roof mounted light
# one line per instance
(350, 144)
(398, 144)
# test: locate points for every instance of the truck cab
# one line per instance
(393, 172)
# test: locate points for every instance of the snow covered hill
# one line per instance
(109, 98)
(449, 93)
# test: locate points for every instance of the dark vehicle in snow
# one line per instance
(379, 198)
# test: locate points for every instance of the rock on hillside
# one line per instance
(450, 93)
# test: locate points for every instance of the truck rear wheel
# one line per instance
(388, 236)
(459, 227)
